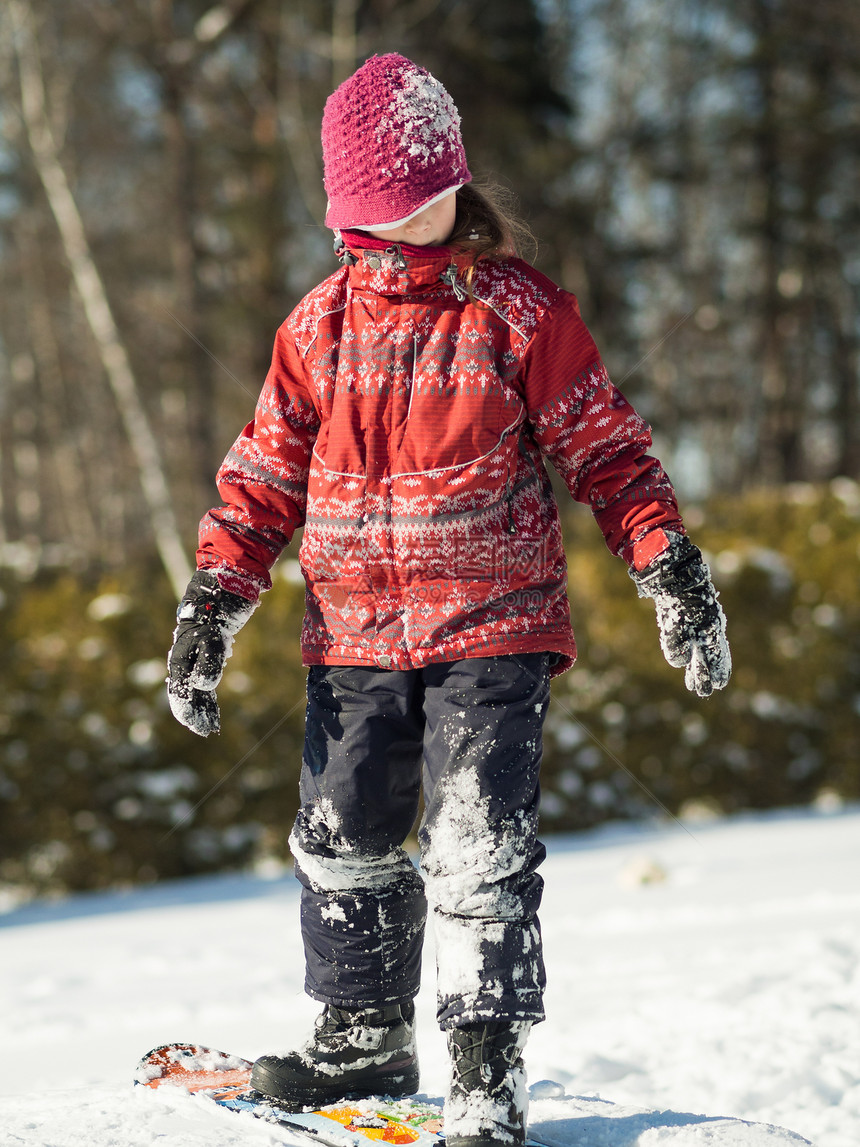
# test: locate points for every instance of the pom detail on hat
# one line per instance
(391, 144)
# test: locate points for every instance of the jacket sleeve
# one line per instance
(263, 481)
(594, 437)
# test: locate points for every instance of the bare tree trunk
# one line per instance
(771, 464)
(199, 383)
(293, 120)
(175, 60)
(68, 487)
(344, 48)
(840, 319)
(269, 298)
(833, 296)
(92, 292)
(3, 529)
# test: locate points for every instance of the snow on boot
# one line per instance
(352, 1054)
(486, 1104)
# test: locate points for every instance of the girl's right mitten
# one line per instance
(208, 617)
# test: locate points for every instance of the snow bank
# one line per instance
(727, 987)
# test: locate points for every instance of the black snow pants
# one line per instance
(469, 730)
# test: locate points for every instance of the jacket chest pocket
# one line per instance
(459, 408)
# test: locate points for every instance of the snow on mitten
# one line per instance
(690, 618)
(208, 619)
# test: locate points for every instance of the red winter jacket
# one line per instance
(405, 424)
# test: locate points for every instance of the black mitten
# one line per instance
(691, 620)
(208, 618)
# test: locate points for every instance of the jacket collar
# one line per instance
(397, 268)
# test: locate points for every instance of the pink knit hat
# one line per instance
(391, 145)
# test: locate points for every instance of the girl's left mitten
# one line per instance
(690, 618)
(208, 618)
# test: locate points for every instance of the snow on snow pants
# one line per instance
(471, 731)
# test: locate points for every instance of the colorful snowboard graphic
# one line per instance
(225, 1080)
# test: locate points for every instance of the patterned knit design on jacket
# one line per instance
(406, 425)
(391, 144)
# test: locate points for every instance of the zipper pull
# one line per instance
(512, 529)
(449, 276)
(342, 253)
(399, 262)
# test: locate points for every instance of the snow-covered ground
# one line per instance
(715, 973)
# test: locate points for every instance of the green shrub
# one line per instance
(99, 786)
(784, 732)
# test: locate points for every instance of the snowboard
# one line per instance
(224, 1080)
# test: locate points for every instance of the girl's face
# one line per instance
(429, 228)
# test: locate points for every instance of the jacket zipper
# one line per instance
(414, 367)
(511, 488)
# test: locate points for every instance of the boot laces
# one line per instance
(472, 1058)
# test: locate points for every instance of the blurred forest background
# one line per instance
(691, 171)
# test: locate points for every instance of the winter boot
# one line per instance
(352, 1054)
(486, 1104)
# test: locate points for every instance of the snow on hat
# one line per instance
(391, 145)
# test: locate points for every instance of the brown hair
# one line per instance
(487, 225)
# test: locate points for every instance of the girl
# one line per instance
(412, 401)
